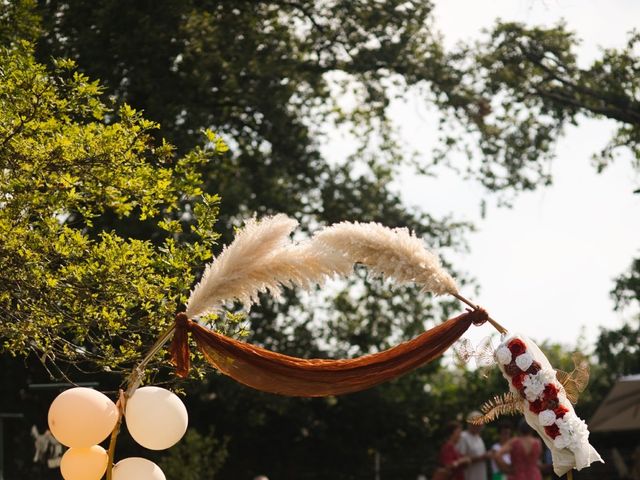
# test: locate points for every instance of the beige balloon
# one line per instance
(156, 418)
(84, 463)
(81, 417)
(136, 468)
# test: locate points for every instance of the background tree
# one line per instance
(269, 77)
(523, 86)
(268, 92)
(196, 457)
(259, 72)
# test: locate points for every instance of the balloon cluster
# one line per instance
(81, 418)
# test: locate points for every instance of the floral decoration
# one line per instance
(545, 403)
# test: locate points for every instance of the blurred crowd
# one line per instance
(519, 454)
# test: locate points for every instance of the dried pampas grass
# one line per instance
(394, 253)
(227, 276)
(263, 258)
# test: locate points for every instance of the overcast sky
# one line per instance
(545, 266)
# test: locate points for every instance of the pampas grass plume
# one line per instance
(263, 258)
(394, 253)
(225, 278)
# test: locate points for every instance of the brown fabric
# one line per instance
(276, 373)
(179, 348)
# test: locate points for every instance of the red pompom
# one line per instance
(536, 406)
(534, 368)
(550, 392)
(517, 381)
(517, 347)
(512, 369)
(560, 410)
(552, 430)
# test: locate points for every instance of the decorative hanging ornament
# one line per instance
(263, 258)
(136, 468)
(156, 418)
(84, 463)
(545, 396)
(82, 417)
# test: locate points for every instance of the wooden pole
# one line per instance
(133, 382)
(495, 324)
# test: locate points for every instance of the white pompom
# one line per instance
(561, 441)
(524, 361)
(533, 386)
(503, 355)
(546, 418)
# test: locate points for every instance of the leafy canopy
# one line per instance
(71, 290)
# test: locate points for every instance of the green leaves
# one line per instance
(196, 457)
(68, 287)
(519, 87)
(215, 142)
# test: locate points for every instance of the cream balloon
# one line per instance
(81, 417)
(136, 468)
(156, 418)
(84, 463)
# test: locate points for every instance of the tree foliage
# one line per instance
(70, 290)
(268, 76)
(105, 231)
(196, 457)
(261, 73)
(523, 86)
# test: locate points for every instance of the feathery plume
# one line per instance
(225, 278)
(394, 253)
(505, 404)
(263, 258)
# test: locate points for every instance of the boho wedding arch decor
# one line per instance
(263, 258)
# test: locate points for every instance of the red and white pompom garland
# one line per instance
(545, 404)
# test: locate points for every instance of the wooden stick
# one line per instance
(133, 382)
(138, 372)
(120, 405)
(495, 324)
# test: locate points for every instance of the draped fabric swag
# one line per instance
(273, 372)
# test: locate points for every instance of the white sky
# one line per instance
(545, 266)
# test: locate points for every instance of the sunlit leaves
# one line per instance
(70, 290)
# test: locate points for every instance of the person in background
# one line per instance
(472, 446)
(505, 436)
(451, 461)
(525, 450)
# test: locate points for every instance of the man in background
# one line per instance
(505, 436)
(471, 445)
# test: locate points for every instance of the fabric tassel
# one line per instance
(179, 348)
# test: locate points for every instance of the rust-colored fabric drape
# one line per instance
(273, 372)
